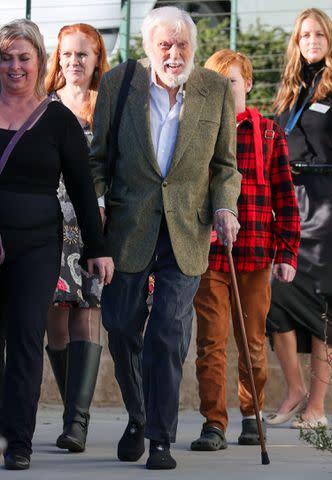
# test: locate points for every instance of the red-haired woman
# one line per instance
(73, 329)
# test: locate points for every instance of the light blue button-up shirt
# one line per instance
(164, 122)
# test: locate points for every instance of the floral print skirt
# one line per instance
(75, 287)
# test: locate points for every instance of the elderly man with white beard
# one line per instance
(174, 175)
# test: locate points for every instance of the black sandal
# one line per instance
(211, 439)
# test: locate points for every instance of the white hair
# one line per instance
(172, 17)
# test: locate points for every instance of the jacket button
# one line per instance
(165, 183)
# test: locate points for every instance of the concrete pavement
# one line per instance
(291, 459)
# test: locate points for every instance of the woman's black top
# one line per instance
(311, 142)
(311, 139)
(54, 144)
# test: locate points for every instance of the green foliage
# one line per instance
(318, 437)
(211, 39)
(136, 51)
(266, 49)
(264, 46)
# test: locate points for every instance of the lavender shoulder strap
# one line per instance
(33, 117)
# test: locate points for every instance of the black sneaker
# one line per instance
(160, 457)
(211, 439)
(131, 445)
(16, 461)
(249, 434)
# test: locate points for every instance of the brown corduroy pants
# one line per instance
(213, 303)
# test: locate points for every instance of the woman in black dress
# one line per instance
(300, 316)
(73, 328)
(31, 224)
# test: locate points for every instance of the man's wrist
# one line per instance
(225, 210)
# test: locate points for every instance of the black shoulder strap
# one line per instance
(114, 127)
(20, 132)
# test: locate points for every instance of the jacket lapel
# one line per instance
(194, 99)
(139, 106)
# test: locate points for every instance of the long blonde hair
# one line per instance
(291, 77)
(55, 79)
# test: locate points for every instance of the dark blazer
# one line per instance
(202, 176)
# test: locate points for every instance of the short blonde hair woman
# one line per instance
(26, 30)
(31, 224)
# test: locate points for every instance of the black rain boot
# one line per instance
(82, 371)
(58, 361)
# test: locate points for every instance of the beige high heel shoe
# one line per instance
(279, 418)
(306, 424)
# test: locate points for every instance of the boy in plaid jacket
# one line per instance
(269, 234)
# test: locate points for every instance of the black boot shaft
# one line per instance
(83, 365)
(58, 360)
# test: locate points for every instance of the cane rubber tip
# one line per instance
(265, 458)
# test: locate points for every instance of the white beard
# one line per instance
(172, 81)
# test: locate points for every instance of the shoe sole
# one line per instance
(154, 467)
(12, 467)
(16, 467)
(154, 464)
(249, 441)
(70, 444)
(205, 447)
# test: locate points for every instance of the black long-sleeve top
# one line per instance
(311, 139)
(54, 144)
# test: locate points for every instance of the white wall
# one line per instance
(51, 15)
(277, 13)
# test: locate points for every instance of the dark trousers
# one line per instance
(2, 362)
(149, 369)
(27, 282)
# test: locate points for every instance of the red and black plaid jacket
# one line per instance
(268, 214)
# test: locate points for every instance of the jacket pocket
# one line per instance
(205, 216)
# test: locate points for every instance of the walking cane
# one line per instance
(265, 457)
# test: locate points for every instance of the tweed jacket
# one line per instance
(202, 176)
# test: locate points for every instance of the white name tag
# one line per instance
(319, 107)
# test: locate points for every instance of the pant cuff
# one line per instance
(159, 435)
